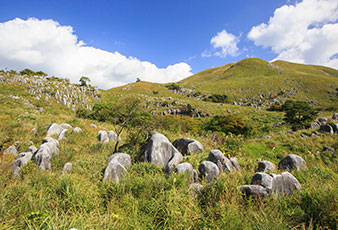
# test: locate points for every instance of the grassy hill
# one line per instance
(148, 198)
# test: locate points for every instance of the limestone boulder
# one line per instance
(21, 160)
(54, 129)
(285, 184)
(160, 151)
(291, 162)
(11, 150)
(188, 146)
(67, 168)
(208, 170)
(103, 137)
(266, 166)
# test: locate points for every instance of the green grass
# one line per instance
(147, 198)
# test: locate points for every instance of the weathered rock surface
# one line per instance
(122, 158)
(285, 184)
(66, 126)
(77, 130)
(326, 129)
(266, 166)
(21, 160)
(208, 170)
(291, 162)
(32, 149)
(62, 135)
(262, 179)
(224, 164)
(103, 136)
(196, 189)
(67, 168)
(160, 151)
(112, 136)
(117, 164)
(45, 152)
(54, 129)
(11, 150)
(256, 191)
(335, 117)
(329, 149)
(188, 145)
(184, 168)
(93, 126)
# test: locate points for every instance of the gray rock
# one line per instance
(329, 149)
(326, 129)
(322, 120)
(266, 166)
(262, 179)
(335, 116)
(285, 184)
(93, 126)
(54, 129)
(160, 151)
(42, 158)
(114, 172)
(234, 163)
(188, 145)
(11, 150)
(184, 168)
(77, 130)
(62, 135)
(32, 149)
(224, 164)
(291, 162)
(66, 126)
(257, 191)
(67, 168)
(103, 136)
(21, 160)
(314, 125)
(112, 136)
(196, 189)
(208, 170)
(335, 128)
(52, 144)
(122, 158)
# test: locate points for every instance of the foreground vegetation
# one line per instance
(147, 198)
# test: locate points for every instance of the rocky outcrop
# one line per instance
(11, 150)
(160, 151)
(43, 155)
(62, 135)
(291, 162)
(326, 129)
(188, 145)
(21, 160)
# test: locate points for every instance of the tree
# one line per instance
(84, 81)
(299, 114)
(138, 79)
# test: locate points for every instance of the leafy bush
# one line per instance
(173, 86)
(228, 124)
(299, 114)
(218, 98)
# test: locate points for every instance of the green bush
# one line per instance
(218, 98)
(228, 124)
(173, 86)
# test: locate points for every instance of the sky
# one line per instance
(115, 42)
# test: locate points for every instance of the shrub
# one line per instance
(27, 72)
(218, 98)
(299, 114)
(228, 124)
(173, 86)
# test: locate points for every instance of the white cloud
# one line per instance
(46, 45)
(306, 32)
(223, 44)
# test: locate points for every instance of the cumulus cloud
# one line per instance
(48, 46)
(223, 44)
(306, 32)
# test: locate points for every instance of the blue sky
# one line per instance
(178, 37)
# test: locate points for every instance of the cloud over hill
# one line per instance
(46, 45)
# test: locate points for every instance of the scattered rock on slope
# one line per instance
(188, 145)
(11, 150)
(224, 164)
(208, 170)
(103, 136)
(54, 129)
(67, 168)
(266, 166)
(21, 160)
(116, 167)
(292, 161)
(160, 151)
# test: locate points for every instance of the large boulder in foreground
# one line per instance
(188, 145)
(160, 151)
(208, 170)
(224, 164)
(292, 161)
(117, 164)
